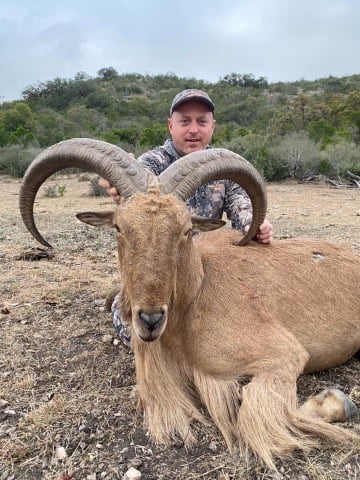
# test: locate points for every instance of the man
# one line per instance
(191, 125)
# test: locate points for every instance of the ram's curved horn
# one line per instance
(186, 175)
(109, 161)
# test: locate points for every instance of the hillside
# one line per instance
(260, 120)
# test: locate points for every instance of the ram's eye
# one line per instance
(117, 228)
(188, 231)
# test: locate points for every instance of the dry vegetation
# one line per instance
(62, 385)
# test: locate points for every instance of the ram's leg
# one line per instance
(221, 398)
(266, 417)
(270, 423)
(330, 405)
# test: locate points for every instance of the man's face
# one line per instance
(191, 127)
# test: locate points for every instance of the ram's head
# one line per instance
(154, 227)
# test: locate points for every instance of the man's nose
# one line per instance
(193, 127)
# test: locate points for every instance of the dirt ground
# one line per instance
(67, 408)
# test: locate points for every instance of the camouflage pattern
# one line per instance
(210, 200)
(191, 94)
(121, 329)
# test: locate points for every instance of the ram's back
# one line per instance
(311, 287)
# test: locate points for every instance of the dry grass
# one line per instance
(66, 388)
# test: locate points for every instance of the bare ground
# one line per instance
(62, 385)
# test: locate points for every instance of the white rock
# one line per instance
(60, 453)
(10, 412)
(107, 338)
(3, 403)
(132, 474)
(213, 447)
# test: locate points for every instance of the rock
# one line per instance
(10, 412)
(107, 338)
(132, 474)
(60, 453)
(3, 403)
(213, 447)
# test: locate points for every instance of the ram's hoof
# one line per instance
(331, 405)
(349, 406)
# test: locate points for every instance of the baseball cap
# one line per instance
(191, 94)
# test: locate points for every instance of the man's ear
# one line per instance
(204, 224)
(97, 219)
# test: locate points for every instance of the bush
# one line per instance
(256, 149)
(14, 160)
(53, 191)
(342, 157)
(298, 153)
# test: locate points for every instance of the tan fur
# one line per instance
(166, 394)
(267, 313)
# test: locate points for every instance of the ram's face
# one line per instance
(154, 236)
(153, 232)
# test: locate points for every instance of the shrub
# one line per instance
(298, 153)
(256, 149)
(84, 177)
(342, 157)
(14, 160)
(56, 190)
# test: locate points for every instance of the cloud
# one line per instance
(281, 40)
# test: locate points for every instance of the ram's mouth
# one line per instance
(151, 337)
(149, 323)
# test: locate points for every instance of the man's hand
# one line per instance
(114, 194)
(265, 232)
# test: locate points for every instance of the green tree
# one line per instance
(153, 136)
(52, 127)
(86, 121)
(124, 137)
(17, 125)
(107, 73)
(320, 131)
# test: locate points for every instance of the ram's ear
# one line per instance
(204, 224)
(97, 219)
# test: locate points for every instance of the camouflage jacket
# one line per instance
(210, 200)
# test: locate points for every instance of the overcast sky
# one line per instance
(279, 39)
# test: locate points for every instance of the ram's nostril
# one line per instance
(151, 321)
